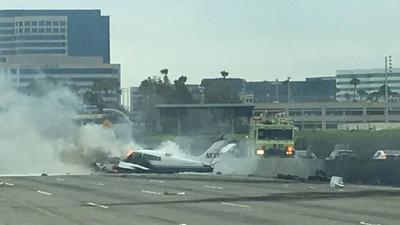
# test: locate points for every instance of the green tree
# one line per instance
(157, 91)
(355, 82)
(347, 96)
(224, 74)
(380, 93)
(362, 93)
(164, 72)
(182, 93)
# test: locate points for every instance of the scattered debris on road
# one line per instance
(336, 182)
(174, 193)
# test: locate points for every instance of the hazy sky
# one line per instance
(252, 39)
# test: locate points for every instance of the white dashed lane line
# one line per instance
(96, 205)
(151, 192)
(365, 223)
(44, 192)
(214, 187)
(6, 184)
(236, 205)
(156, 181)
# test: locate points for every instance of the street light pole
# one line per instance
(276, 90)
(388, 60)
(288, 92)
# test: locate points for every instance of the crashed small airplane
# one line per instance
(153, 161)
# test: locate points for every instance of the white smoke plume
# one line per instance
(173, 148)
(39, 134)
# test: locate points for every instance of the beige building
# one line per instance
(334, 115)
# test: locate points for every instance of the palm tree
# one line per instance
(164, 71)
(165, 78)
(355, 82)
(347, 96)
(224, 74)
(362, 93)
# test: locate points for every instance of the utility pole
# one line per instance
(288, 89)
(276, 91)
(123, 96)
(388, 61)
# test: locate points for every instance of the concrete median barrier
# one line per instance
(366, 171)
(270, 167)
(354, 171)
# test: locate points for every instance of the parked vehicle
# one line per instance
(305, 154)
(386, 155)
(342, 154)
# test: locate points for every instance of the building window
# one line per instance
(48, 30)
(41, 51)
(7, 45)
(40, 37)
(55, 23)
(27, 30)
(7, 52)
(21, 30)
(41, 23)
(27, 23)
(68, 70)
(62, 23)
(10, 38)
(312, 112)
(63, 30)
(34, 30)
(2, 59)
(7, 31)
(353, 111)
(20, 23)
(41, 30)
(34, 23)
(6, 24)
(375, 111)
(295, 112)
(334, 112)
(39, 44)
(55, 30)
(48, 23)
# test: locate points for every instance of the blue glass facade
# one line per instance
(87, 31)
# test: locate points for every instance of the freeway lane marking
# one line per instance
(7, 184)
(214, 187)
(151, 192)
(365, 223)
(96, 205)
(60, 179)
(44, 193)
(237, 205)
(156, 181)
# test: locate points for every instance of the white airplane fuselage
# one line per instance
(153, 161)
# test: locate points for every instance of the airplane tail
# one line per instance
(215, 151)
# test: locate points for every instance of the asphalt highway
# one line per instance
(190, 199)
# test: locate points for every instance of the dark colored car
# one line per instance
(342, 154)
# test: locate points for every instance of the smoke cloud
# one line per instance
(40, 134)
